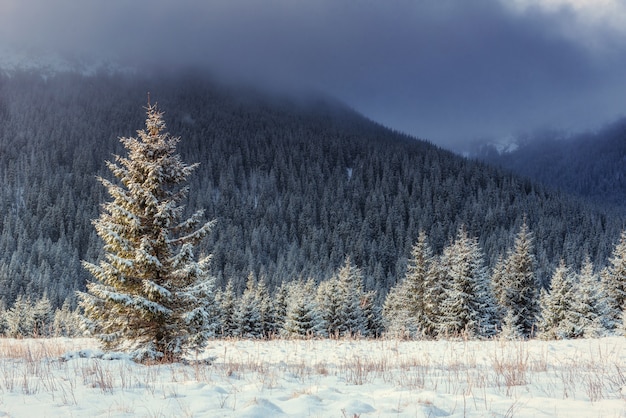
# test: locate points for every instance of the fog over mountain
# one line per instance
(590, 165)
(443, 70)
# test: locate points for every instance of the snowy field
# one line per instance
(326, 378)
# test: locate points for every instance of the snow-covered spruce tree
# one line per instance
(225, 301)
(614, 283)
(396, 315)
(510, 327)
(43, 317)
(498, 284)
(279, 307)
(329, 302)
(66, 323)
(150, 295)
(19, 319)
(434, 295)
(468, 307)
(266, 309)
(302, 317)
(373, 315)
(350, 288)
(589, 304)
(3, 321)
(339, 302)
(557, 320)
(408, 313)
(516, 286)
(247, 316)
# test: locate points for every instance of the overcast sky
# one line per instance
(450, 71)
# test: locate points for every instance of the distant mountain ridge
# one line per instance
(48, 63)
(591, 165)
(295, 184)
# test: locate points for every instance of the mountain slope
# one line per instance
(588, 165)
(295, 184)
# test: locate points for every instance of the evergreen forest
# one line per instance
(310, 200)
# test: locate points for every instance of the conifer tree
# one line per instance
(329, 301)
(417, 280)
(19, 318)
(66, 323)
(511, 328)
(350, 289)
(372, 313)
(408, 310)
(248, 312)
(589, 303)
(302, 317)
(150, 295)
(42, 317)
(614, 283)
(3, 321)
(266, 310)
(434, 295)
(499, 285)
(516, 286)
(557, 319)
(225, 300)
(468, 307)
(396, 315)
(279, 307)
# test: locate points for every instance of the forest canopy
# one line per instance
(296, 186)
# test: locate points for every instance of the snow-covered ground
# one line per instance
(327, 378)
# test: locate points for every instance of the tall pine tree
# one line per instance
(558, 318)
(468, 306)
(614, 283)
(516, 286)
(150, 296)
(408, 310)
(589, 305)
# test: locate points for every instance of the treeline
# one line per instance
(295, 185)
(450, 295)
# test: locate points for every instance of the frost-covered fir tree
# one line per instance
(350, 289)
(248, 312)
(557, 319)
(396, 316)
(302, 317)
(42, 317)
(434, 295)
(266, 309)
(372, 312)
(19, 318)
(516, 286)
(3, 321)
(225, 300)
(468, 307)
(510, 327)
(279, 307)
(339, 302)
(614, 283)
(418, 278)
(498, 284)
(329, 302)
(589, 304)
(66, 322)
(150, 296)
(408, 311)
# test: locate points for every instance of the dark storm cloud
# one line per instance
(443, 70)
